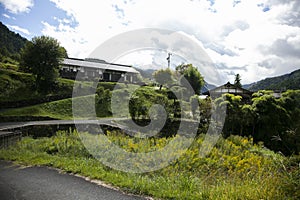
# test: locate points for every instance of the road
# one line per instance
(35, 183)
(14, 125)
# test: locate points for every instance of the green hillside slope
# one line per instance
(284, 82)
(10, 43)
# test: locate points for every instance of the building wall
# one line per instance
(71, 72)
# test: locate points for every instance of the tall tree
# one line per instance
(42, 57)
(237, 80)
(270, 117)
(290, 100)
(232, 104)
(192, 75)
(163, 77)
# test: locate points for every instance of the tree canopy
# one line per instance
(237, 80)
(42, 57)
(192, 75)
(163, 76)
(274, 121)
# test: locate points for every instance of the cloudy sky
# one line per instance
(255, 38)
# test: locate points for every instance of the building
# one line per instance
(231, 89)
(89, 68)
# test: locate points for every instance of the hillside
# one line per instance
(207, 86)
(10, 42)
(284, 82)
(18, 89)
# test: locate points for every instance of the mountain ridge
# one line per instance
(10, 42)
(284, 82)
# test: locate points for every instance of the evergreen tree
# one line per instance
(237, 81)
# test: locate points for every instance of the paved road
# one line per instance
(14, 125)
(35, 183)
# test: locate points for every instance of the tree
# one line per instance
(42, 57)
(181, 68)
(270, 118)
(232, 104)
(237, 80)
(290, 100)
(192, 75)
(163, 77)
(103, 99)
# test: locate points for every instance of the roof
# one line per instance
(228, 88)
(98, 64)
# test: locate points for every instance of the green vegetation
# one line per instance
(184, 74)
(275, 121)
(192, 75)
(10, 44)
(61, 109)
(18, 89)
(42, 57)
(164, 77)
(13, 83)
(234, 169)
(285, 82)
(237, 80)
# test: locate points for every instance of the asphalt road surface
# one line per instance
(41, 183)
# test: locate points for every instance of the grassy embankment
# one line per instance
(19, 99)
(16, 86)
(61, 109)
(234, 169)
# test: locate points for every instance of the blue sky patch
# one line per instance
(42, 11)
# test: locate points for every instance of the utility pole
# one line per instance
(169, 59)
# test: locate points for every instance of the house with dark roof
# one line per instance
(231, 89)
(90, 68)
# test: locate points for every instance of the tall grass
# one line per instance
(235, 168)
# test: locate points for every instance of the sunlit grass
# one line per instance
(234, 169)
(61, 109)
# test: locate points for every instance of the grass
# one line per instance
(17, 86)
(234, 169)
(61, 109)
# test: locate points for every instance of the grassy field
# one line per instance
(234, 169)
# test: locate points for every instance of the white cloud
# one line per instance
(17, 6)
(17, 28)
(240, 38)
(6, 16)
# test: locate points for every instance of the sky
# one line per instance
(255, 38)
